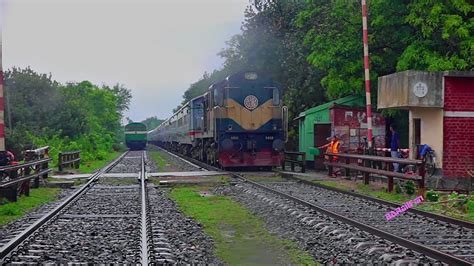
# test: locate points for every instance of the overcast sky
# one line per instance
(156, 48)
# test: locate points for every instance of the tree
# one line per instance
(152, 122)
(65, 117)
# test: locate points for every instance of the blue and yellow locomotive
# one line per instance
(238, 122)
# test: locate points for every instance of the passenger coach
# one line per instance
(238, 122)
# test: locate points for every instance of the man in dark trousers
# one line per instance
(394, 146)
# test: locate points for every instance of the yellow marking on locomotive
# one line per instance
(249, 120)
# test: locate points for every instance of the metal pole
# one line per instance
(2, 104)
(367, 74)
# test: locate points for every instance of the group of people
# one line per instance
(335, 144)
(7, 158)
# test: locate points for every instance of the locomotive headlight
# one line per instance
(227, 144)
(269, 137)
(274, 127)
(278, 144)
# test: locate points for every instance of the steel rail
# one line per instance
(144, 215)
(433, 253)
(12, 244)
(443, 218)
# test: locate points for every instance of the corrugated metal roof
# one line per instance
(318, 108)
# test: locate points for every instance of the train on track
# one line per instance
(239, 122)
(136, 136)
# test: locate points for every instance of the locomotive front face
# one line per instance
(249, 119)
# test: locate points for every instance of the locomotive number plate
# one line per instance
(251, 102)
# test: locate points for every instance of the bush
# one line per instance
(432, 196)
(410, 187)
(398, 188)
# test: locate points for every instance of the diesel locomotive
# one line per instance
(238, 122)
(136, 136)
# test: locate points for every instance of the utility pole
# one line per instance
(2, 104)
(365, 39)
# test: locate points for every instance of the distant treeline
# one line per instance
(72, 116)
(314, 48)
(152, 122)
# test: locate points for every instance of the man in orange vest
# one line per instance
(333, 147)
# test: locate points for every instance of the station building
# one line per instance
(345, 117)
(441, 114)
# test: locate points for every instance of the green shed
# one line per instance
(317, 119)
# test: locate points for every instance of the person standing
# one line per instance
(394, 146)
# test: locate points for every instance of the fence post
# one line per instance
(390, 183)
(421, 182)
(78, 156)
(44, 166)
(329, 166)
(347, 170)
(283, 161)
(37, 169)
(60, 162)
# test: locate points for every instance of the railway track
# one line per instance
(414, 237)
(97, 222)
(118, 216)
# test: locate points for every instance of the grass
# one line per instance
(437, 208)
(89, 167)
(15, 210)
(158, 158)
(239, 236)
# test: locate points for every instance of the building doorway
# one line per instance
(321, 133)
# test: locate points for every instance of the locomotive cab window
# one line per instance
(218, 97)
(276, 96)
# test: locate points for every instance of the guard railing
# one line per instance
(294, 158)
(70, 159)
(40, 153)
(352, 162)
(15, 180)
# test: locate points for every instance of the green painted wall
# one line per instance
(320, 115)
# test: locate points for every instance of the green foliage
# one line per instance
(432, 196)
(152, 122)
(410, 187)
(75, 116)
(14, 210)
(314, 48)
(462, 201)
(240, 237)
(444, 36)
(398, 188)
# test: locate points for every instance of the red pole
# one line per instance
(2, 105)
(367, 74)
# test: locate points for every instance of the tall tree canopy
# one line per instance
(41, 111)
(314, 48)
(152, 122)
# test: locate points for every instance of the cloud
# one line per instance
(156, 48)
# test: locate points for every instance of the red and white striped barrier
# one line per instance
(2, 105)
(389, 150)
(365, 39)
